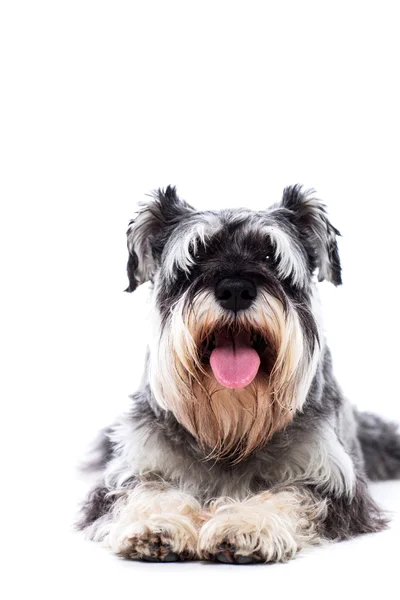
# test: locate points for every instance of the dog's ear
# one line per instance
(148, 232)
(318, 235)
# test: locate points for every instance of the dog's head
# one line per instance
(236, 341)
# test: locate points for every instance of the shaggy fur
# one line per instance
(200, 470)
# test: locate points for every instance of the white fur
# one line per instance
(270, 526)
(274, 527)
(181, 249)
(287, 253)
(152, 511)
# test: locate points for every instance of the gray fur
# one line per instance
(380, 443)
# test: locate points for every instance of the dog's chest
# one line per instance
(312, 457)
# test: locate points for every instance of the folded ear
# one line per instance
(316, 232)
(148, 232)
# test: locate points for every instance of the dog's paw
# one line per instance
(157, 540)
(230, 537)
(153, 547)
(268, 527)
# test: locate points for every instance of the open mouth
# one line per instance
(235, 356)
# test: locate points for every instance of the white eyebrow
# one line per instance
(289, 257)
(181, 248)
(290, 260)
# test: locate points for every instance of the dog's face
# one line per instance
(236, 342)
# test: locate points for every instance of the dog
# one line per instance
(239, 445)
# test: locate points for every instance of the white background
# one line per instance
(101, 102)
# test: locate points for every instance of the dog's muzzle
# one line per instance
(233, 358)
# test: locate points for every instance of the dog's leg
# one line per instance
(350, 515)
(153, 521)
(271, 526)
(274, 526)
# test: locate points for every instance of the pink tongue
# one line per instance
(233, 361)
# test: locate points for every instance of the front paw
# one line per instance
(265, 528)
(157, 539)
(226, 540)
(239, 533)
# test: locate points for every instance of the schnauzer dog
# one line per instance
(239, 446)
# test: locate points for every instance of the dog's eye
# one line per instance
(197, 254)
(269, 254)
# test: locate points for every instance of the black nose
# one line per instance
(235, 293)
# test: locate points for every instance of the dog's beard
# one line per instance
(231, 422)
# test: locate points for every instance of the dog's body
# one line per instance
(239, 445)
